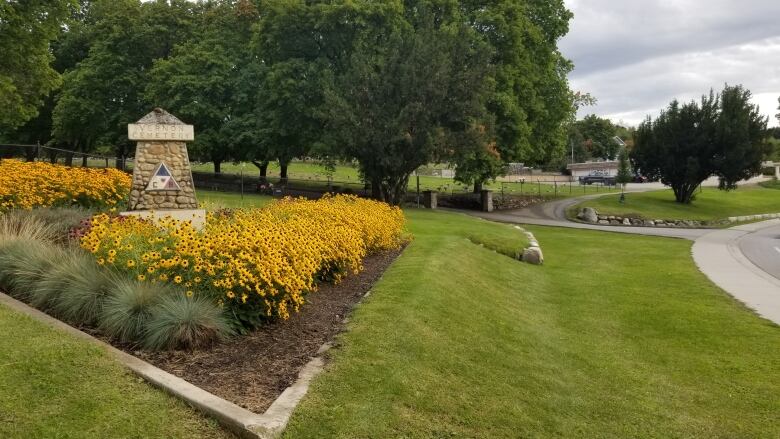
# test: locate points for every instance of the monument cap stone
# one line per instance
(162, 177)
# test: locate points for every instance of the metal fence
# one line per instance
(61, 156)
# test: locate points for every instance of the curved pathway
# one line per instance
(719, 255)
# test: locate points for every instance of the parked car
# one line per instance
(603, 179)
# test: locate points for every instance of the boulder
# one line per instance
(614, 222)
(603, 222)
(588, 215)
(626, 222)
(533, 255)
(649, 223)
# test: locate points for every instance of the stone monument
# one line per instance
(162, 178)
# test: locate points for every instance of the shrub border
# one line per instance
(244, 423)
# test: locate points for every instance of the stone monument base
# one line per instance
(197, 216)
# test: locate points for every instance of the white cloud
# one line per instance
(635, 57)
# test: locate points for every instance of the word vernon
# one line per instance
(160, 132)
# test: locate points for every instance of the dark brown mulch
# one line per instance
(254, 369)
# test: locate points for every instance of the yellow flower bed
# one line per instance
(258, 262)
(25, 185)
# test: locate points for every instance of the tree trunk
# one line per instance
(263, 167)
(683, 193)
(218, 166)
(477, 186)
(376, 189)
(69, 159)
(84, 161)
(283, 171)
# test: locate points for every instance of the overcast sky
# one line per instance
(635, 56)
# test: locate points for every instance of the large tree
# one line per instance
(26, 75)
(598, 137)
(105, 91)
(413, 86)
(722, 135)
(530, 100)
(204, 81)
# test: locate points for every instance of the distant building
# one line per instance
(601, 169)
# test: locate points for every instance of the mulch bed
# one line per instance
(253, 370)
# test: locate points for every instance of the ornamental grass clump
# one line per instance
(177, 321)
(257, 263)
(84, 287)
(127, 309)
(24, 264)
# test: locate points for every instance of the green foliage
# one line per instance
(724, 135)
(126, 311)
(26, 75)
(205, 83)
(181, 322)
(105, 91)
(624, 174)
(595, 137)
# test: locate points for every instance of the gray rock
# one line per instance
(589, 215)
(649, 223)
(603, 222)
(533, 255)
(626, 222)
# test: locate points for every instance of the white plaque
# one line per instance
(184, 133)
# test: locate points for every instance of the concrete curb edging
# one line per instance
(243, 422)
(739, 219)
(718, 256)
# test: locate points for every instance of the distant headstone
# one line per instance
(162, 177)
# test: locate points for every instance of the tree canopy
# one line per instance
(722, 135)
(392, 85)
(27, 76)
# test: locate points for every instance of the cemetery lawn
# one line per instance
(213, 200)
(54, 385)
(615, 336)
(709, 205)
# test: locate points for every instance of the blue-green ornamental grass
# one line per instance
(68, 283)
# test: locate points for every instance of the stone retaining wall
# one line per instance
(590, 216)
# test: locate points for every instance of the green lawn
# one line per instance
(771, 184)
(312, 173)
(213, 200)
(53, 385)
(615, 336)
(710, 204)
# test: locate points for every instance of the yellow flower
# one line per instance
(141, 277)
(101, 261)
(163, 277)
(177, 279)
(189, 293)
(231, 294)
(130, 263)
(150, 269)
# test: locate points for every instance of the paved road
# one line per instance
(719, 255)
(762, 248)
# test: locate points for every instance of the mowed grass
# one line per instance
(314, 174)
(213, 200)
(53, 385)
(710, 204)
(615, 336)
